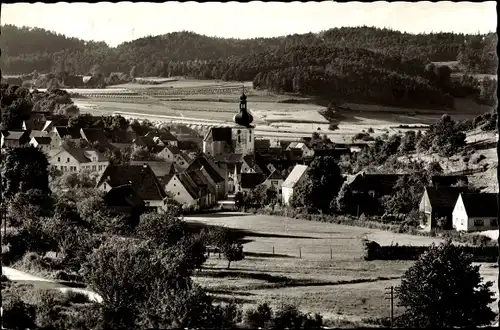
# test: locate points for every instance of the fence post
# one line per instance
(300, 252)
(331, 253)
(273, 250)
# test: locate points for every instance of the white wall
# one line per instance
(180, 194)
(286, 194)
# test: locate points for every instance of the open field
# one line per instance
(328, 277)
(284, 116)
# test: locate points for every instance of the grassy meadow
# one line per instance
(316, 265)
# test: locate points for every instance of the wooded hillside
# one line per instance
(363, 63)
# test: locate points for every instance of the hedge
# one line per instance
(373, 251)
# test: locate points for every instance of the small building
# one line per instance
(437, 203)
(163, 137)
(274, 181)
(44, 143)
(218, 141)
(475, 212)
(14, 139)
(142, 180)
(294, 178)
(211, 173)
(374, 185)
(94, 136)
(60, 133)
(174, 155)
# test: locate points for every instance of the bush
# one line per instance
(16, 314)
(259, 317)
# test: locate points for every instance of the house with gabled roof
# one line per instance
(163, 137)
(249, 165)
(69, 159)
(305, 150)
(189, 188)
(141, 178)
(475, 212)
(437, 204)
(211, 172)
(13, 139)
(295, 177)
(36, 122)
(274, 181)
(175, 155)
(60, 133)
(42, 142)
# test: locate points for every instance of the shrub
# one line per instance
(76, 297)
(259, 317)
(16, 314)
(288, 316)
(233, 252)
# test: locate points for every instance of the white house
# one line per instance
(77, 159)
(475, 212)
(295, 177)
(174, 155)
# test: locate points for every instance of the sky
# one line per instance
(115, 23)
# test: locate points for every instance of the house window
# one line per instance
(178, 193)
(67, 160)
(174, 184)
(274, 183)
(58, 159)
(494, 223)
(478, 222)
(94, 167)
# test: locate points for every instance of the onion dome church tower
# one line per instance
(243, 131)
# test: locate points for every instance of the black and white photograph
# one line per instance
(249, 165)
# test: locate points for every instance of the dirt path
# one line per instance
(19, 276)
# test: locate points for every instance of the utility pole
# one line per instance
(390, 293)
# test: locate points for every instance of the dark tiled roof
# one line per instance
(480, 205)
(448, 180)
(444, 197)
(119, 136)
(141, 177)
(94, 135)
(335, 153)
(145, 141)
(173, 149)
(43, 139)
(251, 180)
(275, 175)
(228, 158)
(84, 155)
(123, 196)
(203, 162)
(16, 135)
(160, 168)
(220, 134)
(262, 144)
(189, 184)
(35, 123)
(382, 183)
(64, 131)
(250, 160)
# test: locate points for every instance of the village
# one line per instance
(207, 172)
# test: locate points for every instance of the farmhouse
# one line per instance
(59, 133)
(13, 139)
(142, 180)
(94, 135)
(475, 212)
(69, 159)
(189, 189)
(437, 203)
(294, 178)
(175, 155)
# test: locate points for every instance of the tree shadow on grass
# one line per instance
(238, 234)
(232, 299)
(266, 255)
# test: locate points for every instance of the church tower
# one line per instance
(243, 134)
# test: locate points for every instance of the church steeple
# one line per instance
(243, 118)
